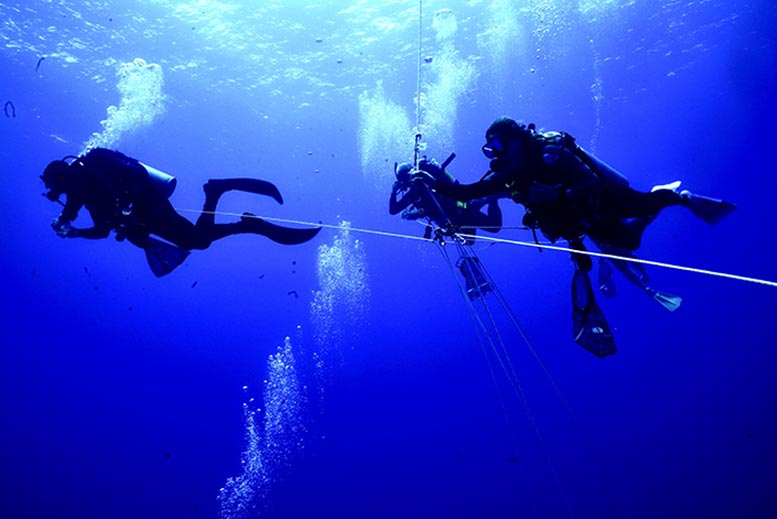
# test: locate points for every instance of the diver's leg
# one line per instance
(582, 261)
(204, 235)
(614, 232)
(214, 188)
(158, 216)
(624, 202)
(494, 213)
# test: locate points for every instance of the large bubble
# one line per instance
(343, 300)
(384, 130)
(271, 442)
(140, 85)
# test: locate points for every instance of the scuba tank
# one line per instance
(594, 163)
(600, 167)
(160, 181)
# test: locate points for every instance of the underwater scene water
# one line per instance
(351, 376)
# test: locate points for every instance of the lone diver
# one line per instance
(123, 195)
(415, 201)
(569, 194)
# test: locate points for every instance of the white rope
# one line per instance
(463, 236)
(624, 258)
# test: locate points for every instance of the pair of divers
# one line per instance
(125, 196)
(415, 201)
(570, 194)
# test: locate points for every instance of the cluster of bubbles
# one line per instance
(272, 438)
(503, 38)
(274, 435)
(384, 128)
(140, 86)
(449, 77)
(344, 296)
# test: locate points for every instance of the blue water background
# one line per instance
(121, 395)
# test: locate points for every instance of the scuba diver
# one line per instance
(130, 198)
(568, 194)
(416, 201)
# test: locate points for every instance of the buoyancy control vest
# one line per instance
(126, 176)
(552, 143)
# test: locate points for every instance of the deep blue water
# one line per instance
(127, 396)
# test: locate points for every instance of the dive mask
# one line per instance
(494, 148)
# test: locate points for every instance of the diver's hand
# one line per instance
(58, 224)
(63, 229)
(544, 194)
(422, 177)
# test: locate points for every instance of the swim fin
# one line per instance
(606, 284)
(711, 210)
(589, 327)
(217, 187)
(279, 234)
(163, 257)
(668, 301)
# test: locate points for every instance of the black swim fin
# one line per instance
(277, 233)
(163, 257)
(589, 327)
(217, 187)
(711, 210)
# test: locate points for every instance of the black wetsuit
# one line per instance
(586, 203)
(119, 194)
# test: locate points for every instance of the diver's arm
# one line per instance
(398, 205)
(486, 187)
(65, 230)
(62, 226)
(91, 233)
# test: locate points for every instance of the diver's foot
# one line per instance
(711, 210)
(283, 235)
(672, 186)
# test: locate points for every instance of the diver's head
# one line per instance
(54, 177)
(402, 172)
(506, 141)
